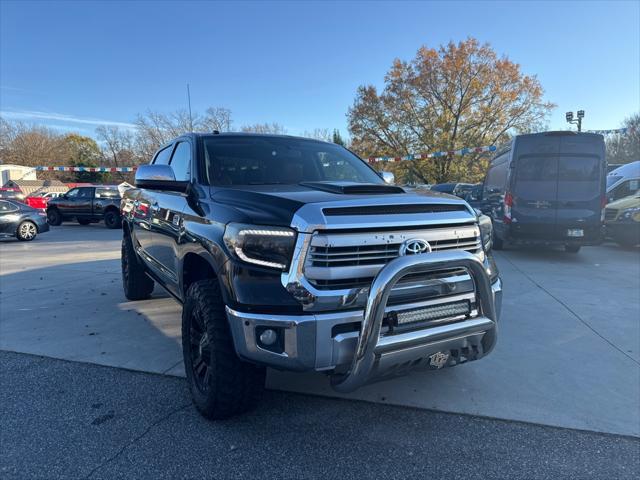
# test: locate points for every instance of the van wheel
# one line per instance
(136, 284)
(572, 248)
(221, 384)
(54, 217)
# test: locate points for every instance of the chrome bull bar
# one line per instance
(369, 344)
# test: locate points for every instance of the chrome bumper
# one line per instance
(355, 358)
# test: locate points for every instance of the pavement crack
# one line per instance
(138, 438)
(570, 310)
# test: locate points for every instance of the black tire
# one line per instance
(112, 219)
(26, 231)
(221, 384)
(572, 248)
(54, 217)
(136, 284)
(84, 221)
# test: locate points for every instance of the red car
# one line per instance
(41, 201)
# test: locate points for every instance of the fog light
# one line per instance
(268, 337)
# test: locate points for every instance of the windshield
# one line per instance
(611, 179)
(258, 160)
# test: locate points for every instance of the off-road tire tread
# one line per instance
(236, 386)
(137, 286)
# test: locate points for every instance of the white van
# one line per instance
(623, 181)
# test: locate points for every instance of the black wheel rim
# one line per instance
(110, 219)
(200, 352)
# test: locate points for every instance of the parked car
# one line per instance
(12, 194)
(623, 182)
(295, 254)
(622, 220)
(40, 201)
(87, 205)
(21, 221)
(547, 188)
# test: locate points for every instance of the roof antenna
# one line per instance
(189, 102)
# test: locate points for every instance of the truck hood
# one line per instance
(277, 204)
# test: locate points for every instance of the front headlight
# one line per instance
(631, 213)
(486, 232)
(265, 246)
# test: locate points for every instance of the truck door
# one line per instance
(76, 202)
(166, 212)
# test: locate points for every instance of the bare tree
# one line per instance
(217, 118)
(274, 128)
(323, 134)
(625, 148)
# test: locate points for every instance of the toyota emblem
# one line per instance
(415, 247)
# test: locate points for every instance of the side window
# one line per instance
(494, 182)
(626, 188)
(162, 157)
(6, 207)
(73, 193)
(181, 161)
(107, 193)
(85, 192)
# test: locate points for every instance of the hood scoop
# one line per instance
(353, 188)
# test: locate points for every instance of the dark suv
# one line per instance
(295, 254)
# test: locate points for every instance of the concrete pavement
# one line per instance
(568, 353)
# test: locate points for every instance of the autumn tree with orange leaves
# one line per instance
(460, 95)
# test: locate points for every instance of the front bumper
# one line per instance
(318, 342)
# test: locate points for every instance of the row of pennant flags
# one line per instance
(418, 156)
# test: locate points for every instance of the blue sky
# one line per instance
(74, 65)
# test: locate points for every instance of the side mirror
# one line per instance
(159, 177)
(388, 177)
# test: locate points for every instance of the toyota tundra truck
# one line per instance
(295, 254)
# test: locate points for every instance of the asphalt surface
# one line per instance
(62, 419)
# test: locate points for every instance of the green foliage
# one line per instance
(337, 138)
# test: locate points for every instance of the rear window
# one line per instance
(537, 169)
(579, 169)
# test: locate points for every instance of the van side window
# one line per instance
(496, 178)
(626, 188)
(162, 157)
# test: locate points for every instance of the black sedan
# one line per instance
(21, 221)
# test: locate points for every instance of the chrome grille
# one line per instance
(610, 213)
(344, 260)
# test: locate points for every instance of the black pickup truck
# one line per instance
(87, 205)
(295, 254)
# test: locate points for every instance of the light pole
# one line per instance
(580, 115)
